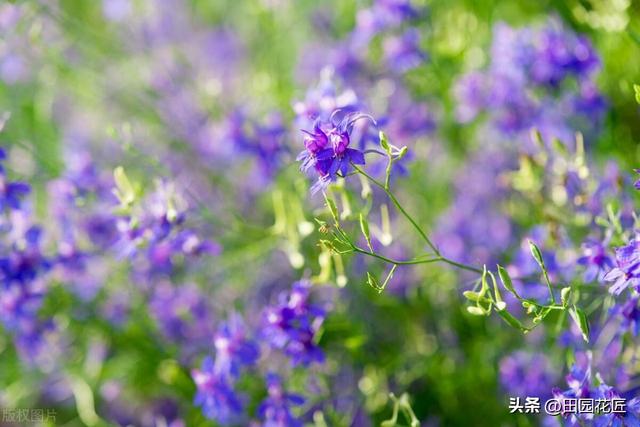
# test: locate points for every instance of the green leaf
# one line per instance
(537, 255)
(580, 319)
(333, 209)
(506, 281)
(485, 287)
(636, 89)
(364, 227)
(371, 281)
(500, 304)
(512, 321)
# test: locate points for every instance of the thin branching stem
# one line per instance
(396, 203)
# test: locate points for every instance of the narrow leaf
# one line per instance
(580, 318)
(364, 226)
(506, 281)
(537, 255)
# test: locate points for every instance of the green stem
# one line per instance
(396, 262)
(415, 225)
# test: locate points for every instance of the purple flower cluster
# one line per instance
(544, 58)
(183, 315)
(159, 230)
(327, 148)
(582, 385)
(595, 259)
(626, 273)
(382, 16)
(293, 324)
(403, 52)
(536, 79)
(275, 410)
(215, 379)
(266, 142)
(526, 374)
(215, 395)
(23, 267)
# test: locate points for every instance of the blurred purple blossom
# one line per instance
(627, 270)
(215, 395)
(275, 410)
(527, 374)
(293, 323)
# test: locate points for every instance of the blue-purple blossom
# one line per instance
(183, 315)
(11, 192)
(626, 273)
(381, 16)
(403, 53)
(233, 347)
(215, 395)
(582, 385)
(541, 58)
(293, 324)
(275, 410)
(526, 374)
(630, 313)
(327, 148)
(596, 259)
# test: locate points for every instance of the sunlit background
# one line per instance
(167, 218)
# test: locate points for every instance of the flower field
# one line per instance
(293, 213)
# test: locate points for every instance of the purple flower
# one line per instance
(25, 261)
(215, 395)
(264, 141)
(526, 374)
(637, 183)
(631, 417)
(627, 270)
(581, 385)
(472, 93)
(403, 53)
(630, 313)
(383, 15)
(595, 259)
(11, 193)
(275, 410)
(524, 88)
(183, 315)
(233, 348)
(327, 148)
(293, 323)
(323, 99)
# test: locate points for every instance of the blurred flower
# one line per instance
(627, 270)
(292, 325)
(233, 348)
(595, 259)
(215, 395)
(11, 193)
(183, 315)
(275, 410)
(581, 385)
(403, 53)
(541, 58)
(526, 374)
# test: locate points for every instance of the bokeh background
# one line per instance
(202, 102)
